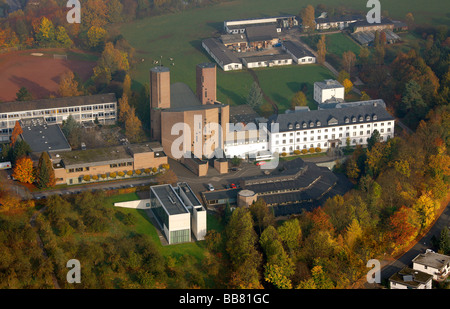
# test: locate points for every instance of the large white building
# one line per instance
(324, 128)
(435, 264)
(102, 107)
(328, 91)
(178, 212)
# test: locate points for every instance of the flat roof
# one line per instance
(411, 277)
(169, 199)
(96, 156)
(43, 137)
(189, 193)
(432, 259)
(18, 106)
(297, 50)
(220, 51)
(261, 33)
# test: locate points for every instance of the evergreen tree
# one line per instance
(255, 97)
(444, 241)
(23, 95)
(45, 176)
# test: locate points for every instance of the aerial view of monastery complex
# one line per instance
(224, 144)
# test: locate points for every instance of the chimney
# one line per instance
(206, 83)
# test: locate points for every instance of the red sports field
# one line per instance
(39, 74)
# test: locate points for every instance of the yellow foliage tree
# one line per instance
(23, 171)
(68, 86)
(348, 85)
(426, 208)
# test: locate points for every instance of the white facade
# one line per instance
(328, 90)
(401, 286)
(324, 138)
(435, 264)
(304, 60)
(251, 63)
(104, 112)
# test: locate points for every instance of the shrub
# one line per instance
(318, 149)
(113, 175)
(95, 177)
(86, 177)
(165, 166)
(296, 151)
(130, 173)
(147, 171)
(312, 150)
(138, 172)
(154, 170)
(103, 176)
(283, 154)
(304, 151)
(121, 174)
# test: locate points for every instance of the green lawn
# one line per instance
(281, 83)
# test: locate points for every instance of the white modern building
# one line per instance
(102, 107)
(178, 212)
(328, 91)
(435, 264)
(267, 61)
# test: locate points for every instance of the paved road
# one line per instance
(420, 247)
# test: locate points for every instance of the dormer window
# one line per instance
(374, 117)
(361, 118)
(311, 124)
(347, 120)
(290, 126)
(304, 125)
(367, 118)
(353, 119)
(297, 126)
(318, 123)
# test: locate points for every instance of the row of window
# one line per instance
(333, 136)
(332, 121)
(57, 111)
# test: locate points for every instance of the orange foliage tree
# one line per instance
(15, 133)
(23, 171)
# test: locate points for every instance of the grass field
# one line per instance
(179, 36)
(281, 83)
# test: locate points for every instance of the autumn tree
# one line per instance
(45, 32)
(167, 177)
(133, 127)
(404, 226)
(262, 217)
(348, 86)
(23, 170)
(62, 38)
(111, 61)
(307, 15)
(299, 99)
(240, 245)
(321, 50)
(318, 280)
(279, 266)
(15, 133)
(124, 108)
(96, 37)
(68, 86)
(349, 61)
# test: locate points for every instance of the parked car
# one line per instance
(261, 163)
(210, 187)
(233, 186)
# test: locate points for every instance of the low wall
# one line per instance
(138, 204)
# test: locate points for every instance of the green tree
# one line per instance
(299, 99)
(255, 96)
(240, 245)
(444, 241)
(62, 38)
(45, 175)
(24, 95)
(45, 32)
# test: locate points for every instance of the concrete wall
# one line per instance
(138, 204)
